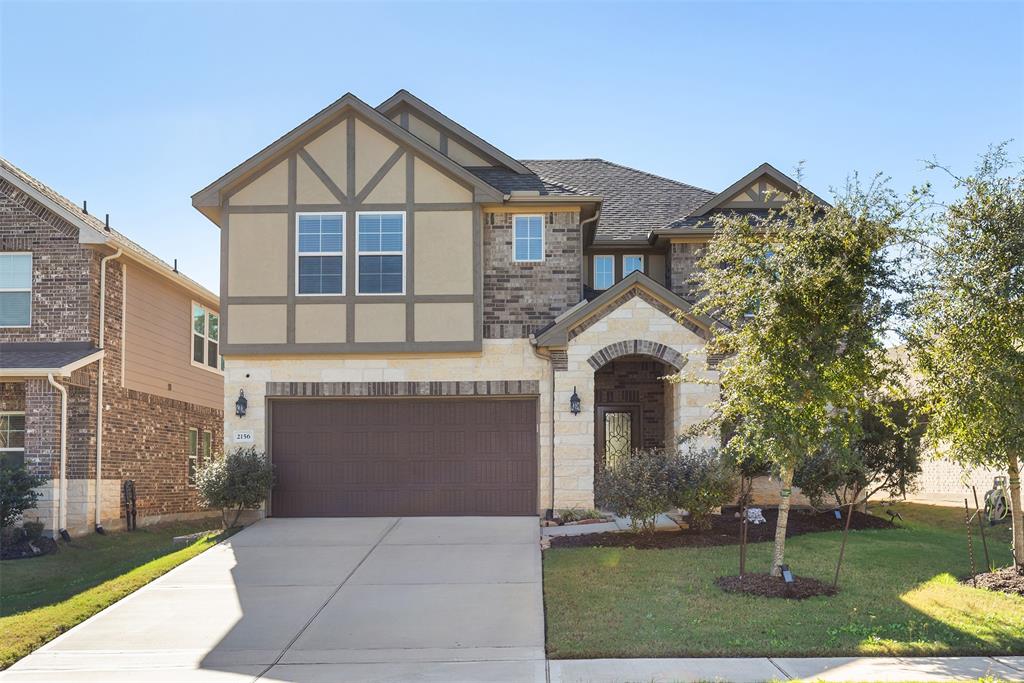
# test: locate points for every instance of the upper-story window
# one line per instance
(528, 238)
(15, 289)
(321, 253)
(205, 337)
(12, 439)
(604, 271)
(380, 268)
(632, 263)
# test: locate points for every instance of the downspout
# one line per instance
(62, 505)
(99, 389)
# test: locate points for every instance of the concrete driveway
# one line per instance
(372, 599)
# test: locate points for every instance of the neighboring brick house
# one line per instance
(412, 314)
(162, 383)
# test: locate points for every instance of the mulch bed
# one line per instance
(774, 587)
(1007, 580)
(725, 530)
(25, 549)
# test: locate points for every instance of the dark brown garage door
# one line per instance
(364, 457)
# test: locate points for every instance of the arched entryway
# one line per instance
(633, 404)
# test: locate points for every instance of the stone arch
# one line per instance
(637, 347)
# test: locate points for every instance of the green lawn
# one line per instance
(898, 595)
(42, 597)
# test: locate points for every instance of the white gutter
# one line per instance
(62, 504)
(99, 389)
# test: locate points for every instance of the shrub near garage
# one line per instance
(241, 480)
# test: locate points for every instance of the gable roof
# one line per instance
(557, 333)
(692, 222)
(404, 97)
(635, 202)
(208, 199)
(94, 231)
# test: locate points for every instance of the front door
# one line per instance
(618, 434)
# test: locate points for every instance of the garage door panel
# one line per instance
(404, 457)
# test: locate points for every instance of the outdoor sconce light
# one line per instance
(241, 404)
(574, 402)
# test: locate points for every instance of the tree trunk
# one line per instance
(779, 555)
(1016, 514)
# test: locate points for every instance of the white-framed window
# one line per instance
(207, 447)
(205, 338)
(380, 242)
(12, 438)
(631, 263)
(16, 289)
(193, 455)
(320, 254)
(528, 238)
(604, 271)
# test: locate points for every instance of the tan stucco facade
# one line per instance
(351, 166)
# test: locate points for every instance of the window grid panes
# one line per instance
(193, 454)
(205, 337)
(381, 243)
(207, 447)
(631, 264)
(528, 238)
(15, 290)
(604, 272)
(320, 245)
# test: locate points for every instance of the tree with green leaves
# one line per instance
(967, 334)
(804, 291)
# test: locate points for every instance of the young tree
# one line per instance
(967, 337)
(804, 292)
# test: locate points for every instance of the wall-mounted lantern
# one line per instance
(574, 402)
(241, 404)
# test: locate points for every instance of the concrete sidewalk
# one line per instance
(758, 669)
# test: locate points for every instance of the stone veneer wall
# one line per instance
(574, 434)
(520, 298)
(683, 260)
(501, 359)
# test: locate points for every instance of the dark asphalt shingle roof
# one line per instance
(691, 222)
(43, 355)
(635, 202)
(509, 181)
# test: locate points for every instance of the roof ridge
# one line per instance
(629, 168)
(90, 220)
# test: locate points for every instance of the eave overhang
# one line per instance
(209, 200)
(557, 334)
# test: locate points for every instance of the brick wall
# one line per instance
(635, 381)
(61, 270)
(520, 298)
(12, 396)
(683, 260)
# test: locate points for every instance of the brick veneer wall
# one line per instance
(635, 381)
(145, 436)
(61, 270)
(520, 298)
(683, 260)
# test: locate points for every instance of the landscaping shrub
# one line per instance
(701, 482)
(239, 481)
(33, 530)
(17, 493)
(578, 514)
(886, 459)
(640, 487)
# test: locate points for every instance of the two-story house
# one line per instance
(421, 324)
(110, 365)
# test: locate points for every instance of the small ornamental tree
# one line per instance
(17, 493)
(639, 486)
(967, 335)
(803, 291)
(239, 481)
(885, 459)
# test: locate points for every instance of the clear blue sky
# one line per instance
(135, 106)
